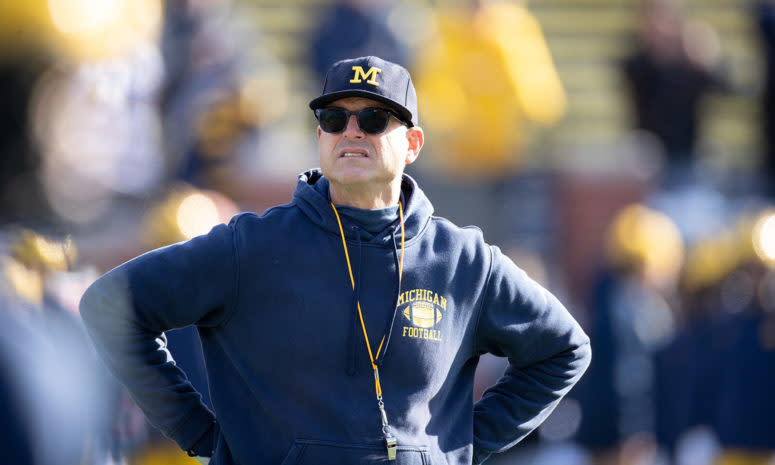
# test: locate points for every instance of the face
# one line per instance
(354, 158)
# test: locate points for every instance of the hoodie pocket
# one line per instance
(311, 452)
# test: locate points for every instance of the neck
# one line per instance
(366, 197)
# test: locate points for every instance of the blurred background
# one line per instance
(621, 151)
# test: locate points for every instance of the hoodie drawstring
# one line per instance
(372, 357)
(352, 355)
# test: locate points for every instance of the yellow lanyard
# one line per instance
(390, 441)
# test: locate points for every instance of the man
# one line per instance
(344, 327)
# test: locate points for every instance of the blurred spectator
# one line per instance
(91, 113)
(742, 410)
(61, 392)
(685, 368)
(633, 318)
(218, 93)
(765, 16)
(714, 398)
(124, 111)
(674, 64)
(354, 28)
(485, 77)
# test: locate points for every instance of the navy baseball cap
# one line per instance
(373, 78)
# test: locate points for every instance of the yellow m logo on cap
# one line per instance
(369, 75)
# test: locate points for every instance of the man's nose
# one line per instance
(352, 129)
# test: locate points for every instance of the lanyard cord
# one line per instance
(372, 358)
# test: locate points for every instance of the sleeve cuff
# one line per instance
(193, 428)
(205, 446)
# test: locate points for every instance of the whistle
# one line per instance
(391, 445)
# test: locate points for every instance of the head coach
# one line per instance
(344, 327)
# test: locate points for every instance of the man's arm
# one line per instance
(547, 351)
(127, 310)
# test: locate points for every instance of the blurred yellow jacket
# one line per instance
(485, 76)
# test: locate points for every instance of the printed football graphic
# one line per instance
(422, 314)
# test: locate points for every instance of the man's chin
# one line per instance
(351, 177)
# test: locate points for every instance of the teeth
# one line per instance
(353, 154)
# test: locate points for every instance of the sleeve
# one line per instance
(127, 310)
(547, 352)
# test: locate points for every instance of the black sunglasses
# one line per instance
(372, 120)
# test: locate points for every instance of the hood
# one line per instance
(314, 204)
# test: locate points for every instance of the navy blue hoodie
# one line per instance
(289, 374)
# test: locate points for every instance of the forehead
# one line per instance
(356, 103)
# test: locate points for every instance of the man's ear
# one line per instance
(416, 138)
(319, 131)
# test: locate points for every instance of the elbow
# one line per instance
(578, 360)
(581, 351)
(574, 360)
(584, 356)
(108, 295)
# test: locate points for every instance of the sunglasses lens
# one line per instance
(332, 120)
(373, 120)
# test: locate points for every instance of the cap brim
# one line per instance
(324, 100)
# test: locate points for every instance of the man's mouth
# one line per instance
(353, 155)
